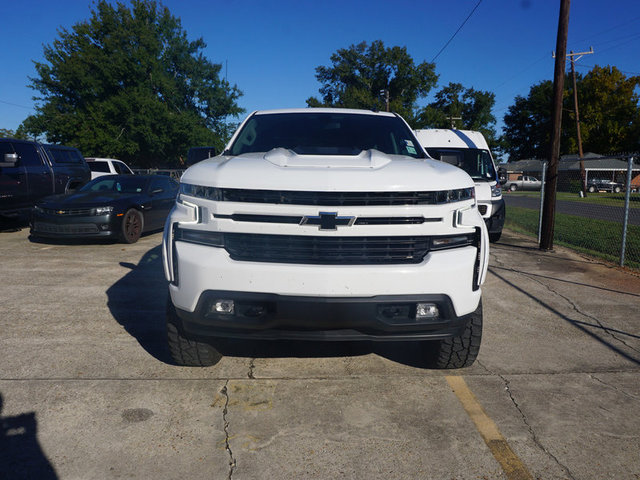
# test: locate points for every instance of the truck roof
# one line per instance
(442, 138)
(323, 110)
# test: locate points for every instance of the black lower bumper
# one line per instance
(496, 221)
(277, 317)
(101, 226)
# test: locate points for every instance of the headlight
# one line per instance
(199, 191)
(496, 190)
(441, 243)
(201, 237)
(102, 210)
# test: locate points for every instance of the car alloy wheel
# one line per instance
(132, 224)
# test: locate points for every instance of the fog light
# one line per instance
(223, 306)
(426, 310)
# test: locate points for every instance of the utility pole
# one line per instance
(384, 93)
(583, 174)
(451, 119)
(548, 211)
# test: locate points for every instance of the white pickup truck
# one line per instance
(330, 225)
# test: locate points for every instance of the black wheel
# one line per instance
(495, 236)
(513, 188)
(616, 189)
(132, 224)
(460, 352)
(184, 350)
(592, 189)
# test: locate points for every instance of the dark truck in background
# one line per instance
(30, 171)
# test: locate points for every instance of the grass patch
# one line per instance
(610, 199)
(598, 238)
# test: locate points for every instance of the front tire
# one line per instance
(461, 351)
(495, 236)
(513, 188)
(132, 224)
(184, 350)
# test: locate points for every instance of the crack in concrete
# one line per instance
(525, 420)
(626, 394)
(232, 460)
(571, 303)
(252, 366)
(580, 312)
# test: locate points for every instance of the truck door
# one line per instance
(38, 173)
(13, 182)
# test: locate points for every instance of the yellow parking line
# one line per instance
(508, 460)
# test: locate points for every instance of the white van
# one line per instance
(468, 150)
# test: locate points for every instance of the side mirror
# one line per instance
(10, 160)
(502, 175)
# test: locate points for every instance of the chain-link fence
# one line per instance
(597, 209)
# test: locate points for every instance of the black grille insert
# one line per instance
(326, 250)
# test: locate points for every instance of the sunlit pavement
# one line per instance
(88, 390)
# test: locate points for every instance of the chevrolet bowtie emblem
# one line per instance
(328, 221)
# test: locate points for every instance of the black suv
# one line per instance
(30, 171)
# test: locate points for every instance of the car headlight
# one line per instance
(496, 190)
(103, 210)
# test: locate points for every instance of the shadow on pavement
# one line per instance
(21, 456)
(137, 301)
(13, 224)
(582, 326)
(493, 269)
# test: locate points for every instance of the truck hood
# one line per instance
(282, 169)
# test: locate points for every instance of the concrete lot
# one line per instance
(88, 391)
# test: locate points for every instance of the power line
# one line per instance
(615, 27)
(16, 105)
(459, 28)
(621, 71)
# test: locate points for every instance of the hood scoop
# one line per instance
(283, 157)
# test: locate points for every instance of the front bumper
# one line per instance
(496, 215)
(75, 226)
(278, 317)
(202, 268)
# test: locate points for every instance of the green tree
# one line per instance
(472, 107)
(360, 77)
(609, 113)
(8, 133)
(609, 116)
(127, 83)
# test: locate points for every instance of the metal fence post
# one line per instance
(626, 210)
(544, 174)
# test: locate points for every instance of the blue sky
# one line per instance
(271, 48)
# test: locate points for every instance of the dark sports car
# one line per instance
(120, 206)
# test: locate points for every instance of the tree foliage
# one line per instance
(128, 84)
(360, 75)
(609, 116)
(472, 107)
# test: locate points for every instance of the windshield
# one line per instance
(477, 163)
(326, 134)
(111, 183)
